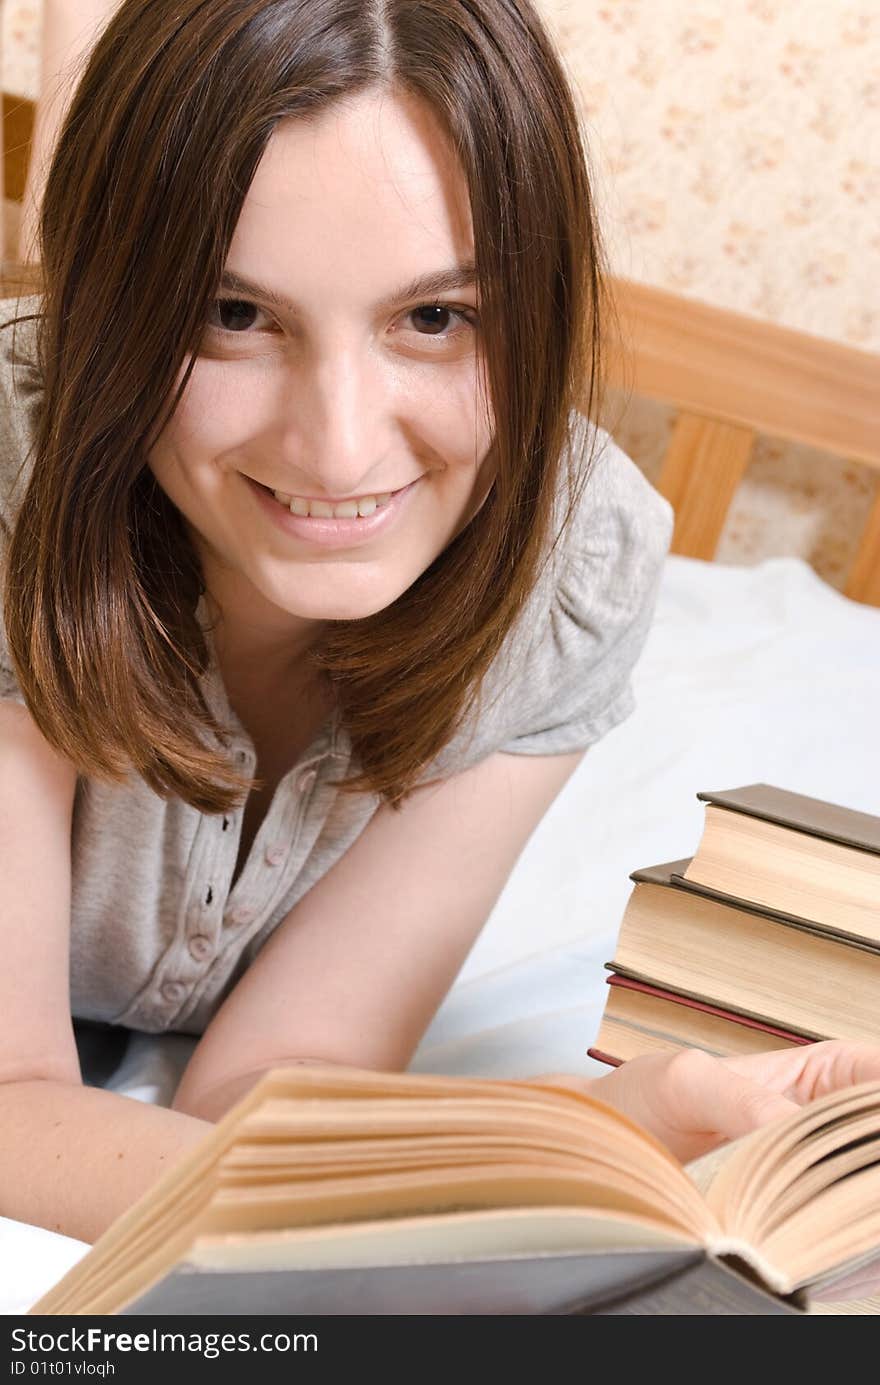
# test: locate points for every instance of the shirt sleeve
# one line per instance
(575, 683)
(21, 394)
(9, 687)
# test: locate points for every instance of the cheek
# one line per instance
(454, 425)
(215, 415)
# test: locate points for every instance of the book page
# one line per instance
(857, 1290)
(303, 1149)
(803, 1192)
(434, 1240)
(777, 867)
(869, 1305)
(703, 1171)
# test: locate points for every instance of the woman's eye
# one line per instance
(239, 317)
(234, 315)
(433, 319)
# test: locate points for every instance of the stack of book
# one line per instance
(768, 936)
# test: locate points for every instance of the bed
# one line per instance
(750, 673)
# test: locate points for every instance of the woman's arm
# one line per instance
(72, 1158)
(70, 28)
(356, 971)
(37, 788)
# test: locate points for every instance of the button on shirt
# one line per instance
(181, 936)
(159, 936)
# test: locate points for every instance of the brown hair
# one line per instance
(164, 135)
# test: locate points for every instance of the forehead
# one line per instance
(373, 178)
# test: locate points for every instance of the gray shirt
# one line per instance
(158, 938)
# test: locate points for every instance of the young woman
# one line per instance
(318, 583)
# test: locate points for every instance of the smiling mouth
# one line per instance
(359, 507)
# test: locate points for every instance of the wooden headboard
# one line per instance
(18, 126)
(730, 378)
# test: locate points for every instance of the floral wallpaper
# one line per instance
(736, 156)
(755, 121)
(21, 27)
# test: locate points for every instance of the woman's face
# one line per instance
(327, 376)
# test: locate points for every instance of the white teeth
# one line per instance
(347, 510)
(322, 509)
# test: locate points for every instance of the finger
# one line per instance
(716, 1098)
(833, 1065)
(811, 1070)
(779, 1070)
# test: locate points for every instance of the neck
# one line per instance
(257, 643)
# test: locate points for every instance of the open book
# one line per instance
(334, 1190)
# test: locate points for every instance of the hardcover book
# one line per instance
(340, 1191)
(811, 862)
(640, 1018)
(777, 971)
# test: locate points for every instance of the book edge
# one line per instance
(796, 921)
(670, 875)
(631, 983)
(630, 972)
(862, 834)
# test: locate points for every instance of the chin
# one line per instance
(348, 607)
(358, 610)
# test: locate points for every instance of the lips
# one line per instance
(333, 532)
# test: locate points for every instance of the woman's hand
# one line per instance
(693, 1102)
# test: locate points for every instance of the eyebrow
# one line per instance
(430, 285)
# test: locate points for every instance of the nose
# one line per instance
(336, 423)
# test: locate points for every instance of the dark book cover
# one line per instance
(601, 1056)
(709, 1289)
(797, 811)
(553, 1283)
(604, 1283)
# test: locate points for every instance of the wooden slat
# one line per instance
(18, 127)
(863, 583)
(745, 371)
(11, 220)
(704, 464)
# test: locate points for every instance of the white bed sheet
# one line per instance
(749, 674)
